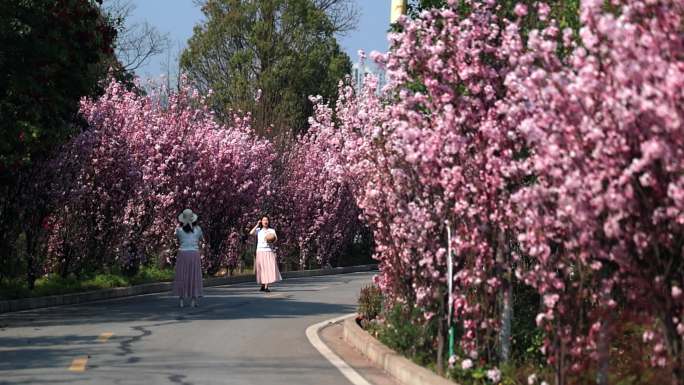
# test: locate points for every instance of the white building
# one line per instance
(361, 69)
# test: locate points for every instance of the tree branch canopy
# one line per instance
(135, 43)
(286, 49)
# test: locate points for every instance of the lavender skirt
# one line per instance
(266, 268)
(188, 280)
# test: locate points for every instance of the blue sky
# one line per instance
(178, 17)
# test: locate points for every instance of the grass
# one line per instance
(54, 284)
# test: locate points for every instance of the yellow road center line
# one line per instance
(78, 364)
(105, 336)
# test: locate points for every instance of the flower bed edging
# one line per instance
(392, 362)
(7, 306)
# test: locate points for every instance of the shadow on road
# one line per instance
(156, 342)
(224, 302)
(25, 345)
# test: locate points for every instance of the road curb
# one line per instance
(8, 306)
(312, 334)
(392, 362)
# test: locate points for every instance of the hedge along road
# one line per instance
(237, 336)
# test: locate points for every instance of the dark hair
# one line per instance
(262, 218)
(187, 227)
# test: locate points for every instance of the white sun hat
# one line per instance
(187, 217)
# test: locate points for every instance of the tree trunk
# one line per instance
(440, 337)
(302, 261)
(505, 297)
(560, 357)
(30, 261)
(603, 349)
(506, 321)
(678, 371)
(30, 275)
(676, 347)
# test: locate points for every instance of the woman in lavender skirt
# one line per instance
(188, 280)
(265, 266)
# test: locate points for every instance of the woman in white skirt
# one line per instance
(265, 266)
(188, 280)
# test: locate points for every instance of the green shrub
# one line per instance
(104, 281)
(54, 284)
(406, 331)
(477, 375)
(14, 288)
(370, 302)
(526, 337)
(149, 274)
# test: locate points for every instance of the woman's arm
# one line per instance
(202, 240)
(254, 229)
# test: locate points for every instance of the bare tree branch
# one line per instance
(344, 14)
(136, 43)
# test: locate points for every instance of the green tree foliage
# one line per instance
(52, 53)
(50, 56)
(286, 48)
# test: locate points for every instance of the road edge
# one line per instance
(14, 305)
(315, 340)
(398, 366)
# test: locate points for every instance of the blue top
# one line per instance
(189, 241)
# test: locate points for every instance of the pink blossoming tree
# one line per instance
(604, 218)
(145, 159)
(436, 153)
(319, 216)
(573, 156)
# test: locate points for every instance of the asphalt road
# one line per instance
(237, 336)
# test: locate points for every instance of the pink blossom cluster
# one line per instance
(557, 162)
(143, 160)
(604, 218)
(315, 209)
(432, 157)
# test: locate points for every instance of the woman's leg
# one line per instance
(272, 266)
(259, 270)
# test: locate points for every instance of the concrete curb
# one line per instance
(7, 306)
(392, 362)
(315, 340)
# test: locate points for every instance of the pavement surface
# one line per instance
(236, 336)
(333, 337)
